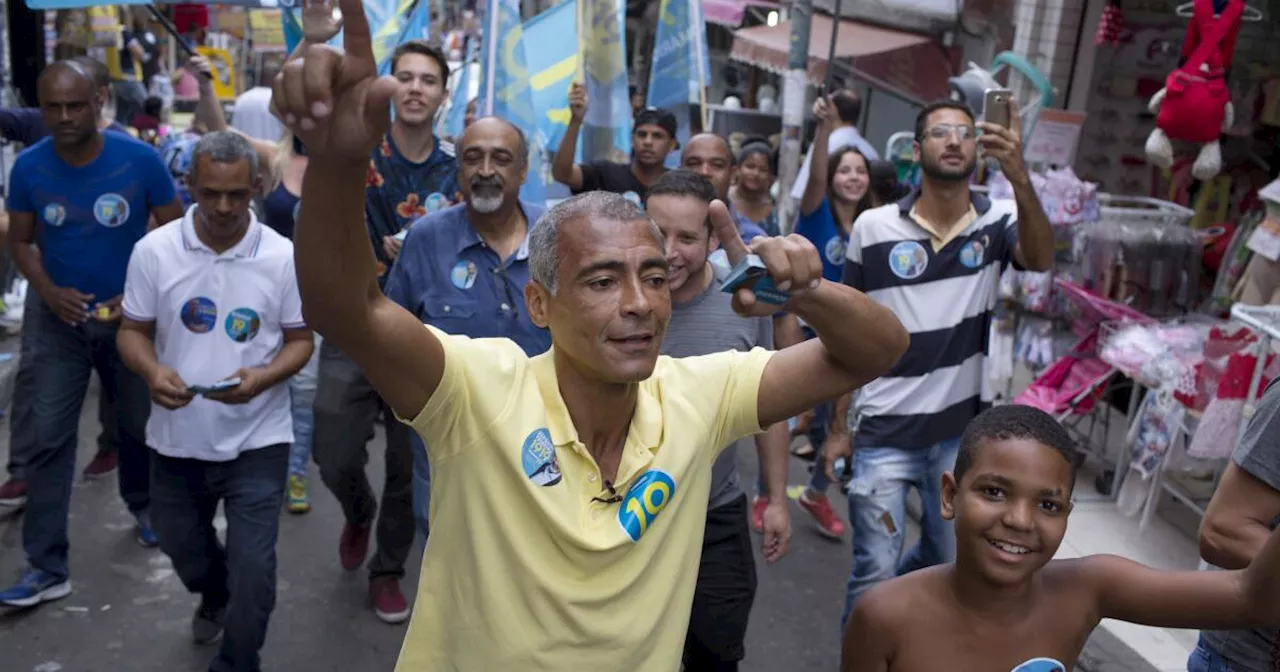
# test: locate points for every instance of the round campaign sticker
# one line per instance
(1041, 665)
(54, 214)
(436, 201)
(243, 324)
(908, 260)
(111, 210)
(645, 499)
(834, 250)
(538, 457)
(199, 315)
(973, 254)
(463, 275)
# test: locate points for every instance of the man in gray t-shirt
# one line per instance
(1244, 510)
(703, 322)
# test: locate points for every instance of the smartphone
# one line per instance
(995, 107)
(219, 386)
(751, 273)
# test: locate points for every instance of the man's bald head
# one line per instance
(70, 104)
(709, 155)
(67, 71)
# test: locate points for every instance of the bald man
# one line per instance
(710, 155)
(92, 194)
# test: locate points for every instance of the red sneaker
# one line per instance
(104, 462)
(758, 505)
(353, 546)
(829, 524)
(388, 602)
(13, 493)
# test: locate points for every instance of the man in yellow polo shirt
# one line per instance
(570, 489)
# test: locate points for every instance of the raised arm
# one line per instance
(815, 188)
(858, 339)
(339, 107)
(563, 168)
(1035, 235)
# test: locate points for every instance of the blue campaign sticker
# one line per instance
(908, 260)
(436, 201)
(199, 315)
(463, 275)
(1041, 665)
(243, 324)
(54, 214)
(538, 458)
(645, 499)
(834, 251)
(973, 254)
(111, 210)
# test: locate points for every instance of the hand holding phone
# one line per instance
(206, 390)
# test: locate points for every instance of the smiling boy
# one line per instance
(1005, 604)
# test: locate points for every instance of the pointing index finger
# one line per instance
(356, 39)
(727, 232)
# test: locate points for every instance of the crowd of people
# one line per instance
(564, 389)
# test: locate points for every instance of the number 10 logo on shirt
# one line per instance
(645, 499)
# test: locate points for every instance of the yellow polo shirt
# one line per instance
(524, 571)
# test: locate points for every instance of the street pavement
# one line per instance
(130, 613)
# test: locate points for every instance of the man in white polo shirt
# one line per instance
(210, 300)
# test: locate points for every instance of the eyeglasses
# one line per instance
(944, 131)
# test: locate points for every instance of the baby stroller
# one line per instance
(1069, 389)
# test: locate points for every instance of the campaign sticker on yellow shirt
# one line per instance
(645, 499)
(539, 458)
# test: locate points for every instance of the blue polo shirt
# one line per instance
(451, 280)
(90, 217)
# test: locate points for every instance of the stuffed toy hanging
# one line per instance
(1195, 103)
(1110, 26)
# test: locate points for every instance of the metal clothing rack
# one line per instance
(1265, 322)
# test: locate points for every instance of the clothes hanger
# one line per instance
(1251, 13)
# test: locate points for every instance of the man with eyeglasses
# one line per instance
(463, 269)
(935, 260)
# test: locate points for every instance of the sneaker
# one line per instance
(758, 505)
(388, 602)
(102, 463)
(146, 535)
(298, 495)
(35, 586)
(206, 624)
(13, 493)
(353, 546)
(829, 524)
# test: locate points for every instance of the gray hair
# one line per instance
(522, 140)
(225, 147)
(544, 258)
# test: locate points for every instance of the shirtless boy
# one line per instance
(1005, 604)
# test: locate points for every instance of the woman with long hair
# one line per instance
(757, 167)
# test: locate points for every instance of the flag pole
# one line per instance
(699, 30)
(491, 56)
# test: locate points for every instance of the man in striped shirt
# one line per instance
(935, 260)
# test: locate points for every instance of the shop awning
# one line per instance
(878, 55)
(730, 12)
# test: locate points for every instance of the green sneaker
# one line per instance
(298, 495)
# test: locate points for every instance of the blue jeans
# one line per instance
(878, 511)
(421, 486)
(302, 396)
(22, 431)
(1206, 659)
(62, 358)
(241, 576)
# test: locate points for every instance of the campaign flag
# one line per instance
(504, 85)
(390, 23)
(79, 4)
(606, 133)
(681, 63)
(552, 67)
(460, 95)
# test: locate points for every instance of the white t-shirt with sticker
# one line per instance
(215, 314)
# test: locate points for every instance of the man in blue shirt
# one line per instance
(463, 269)
(93, 194)
(410, 175)
(24, 125)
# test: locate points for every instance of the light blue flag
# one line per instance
(552, 67)
(504, 85)
(460, 95)
(389, 25)
(675, 80)
(606, 133)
